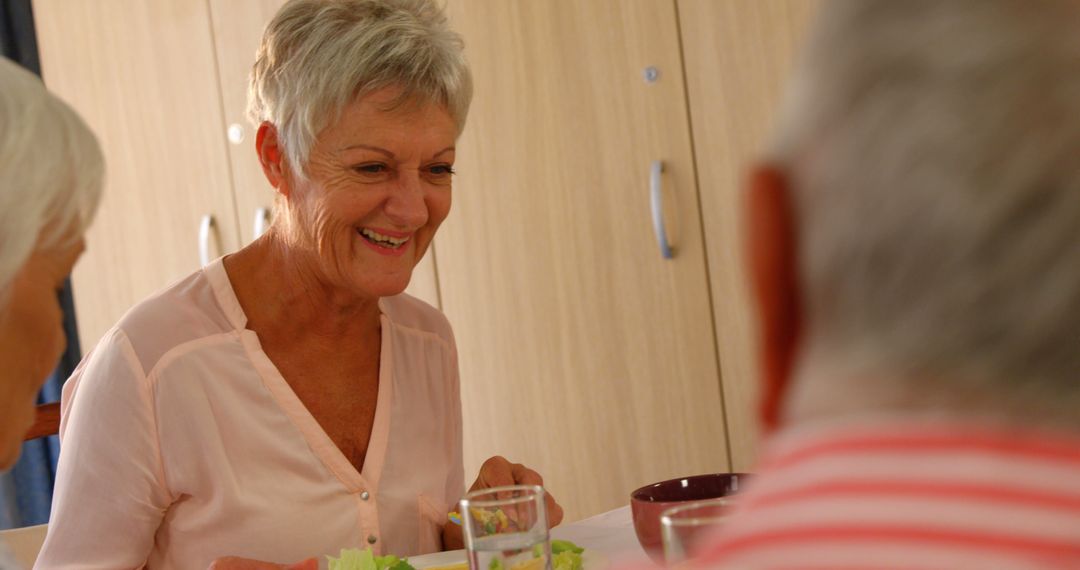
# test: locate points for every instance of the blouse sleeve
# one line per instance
(110, 493)
(455, 484)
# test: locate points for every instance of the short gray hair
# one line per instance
(319, 55)
(934, 152)
(51, 171)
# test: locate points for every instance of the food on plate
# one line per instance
(458, 566)
(560, 546)
(533, 564)
(355, 559)
(492, 521)
(565, 555)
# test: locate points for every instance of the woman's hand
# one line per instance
(499, 472)
(234, 563)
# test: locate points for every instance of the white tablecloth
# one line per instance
(611, 533)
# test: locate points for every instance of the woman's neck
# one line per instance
(281, 288)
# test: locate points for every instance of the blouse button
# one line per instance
(364, 496)
(372, 539)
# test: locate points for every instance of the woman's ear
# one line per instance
(772, 254)
(272, 157)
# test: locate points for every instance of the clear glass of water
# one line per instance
(683, 528)
(506, 528)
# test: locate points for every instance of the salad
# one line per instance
(355, 559)
(565, 555)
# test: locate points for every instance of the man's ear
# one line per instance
(272, 157)
(772, 257)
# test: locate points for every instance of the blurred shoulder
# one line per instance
(409, 312)
(7, 559)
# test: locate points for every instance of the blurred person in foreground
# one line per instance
(914, 243)
(51, 175)
(288, 400)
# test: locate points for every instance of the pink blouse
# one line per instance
(181, 443)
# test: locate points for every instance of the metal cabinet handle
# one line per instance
(262, 221)
(657, 202)
(205, 226)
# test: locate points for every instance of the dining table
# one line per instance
(610, 534)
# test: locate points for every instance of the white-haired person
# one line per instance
(288, 400)
(914, 241)
(51, 175)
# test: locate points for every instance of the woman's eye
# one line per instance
(441, 170)
(370, 168)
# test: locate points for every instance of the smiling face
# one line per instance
(31, 340)
(377, 189)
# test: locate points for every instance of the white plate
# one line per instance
(590, 560)
(437, 559)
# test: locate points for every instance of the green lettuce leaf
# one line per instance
(566, 560)
(356, 559)
(560, 546)
(399, 565)
(353, 559)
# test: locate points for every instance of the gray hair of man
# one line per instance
(933, 151)
(317, 56)
(51, 172)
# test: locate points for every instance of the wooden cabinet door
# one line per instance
(738, 54)
(238, 27)
(143, 76)
(583, 352)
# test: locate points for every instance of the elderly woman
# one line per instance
(51, 174)
(288, 400)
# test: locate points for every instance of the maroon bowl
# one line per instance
(648, 502)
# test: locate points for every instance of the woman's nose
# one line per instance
(406, 206)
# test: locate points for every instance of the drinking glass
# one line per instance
(682, 528)
(506, 528)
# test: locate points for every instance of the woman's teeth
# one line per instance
(385, 241)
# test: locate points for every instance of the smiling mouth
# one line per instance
(381, 240)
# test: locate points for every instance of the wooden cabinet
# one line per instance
(237, 29)
(143, 76)
(584, 353)
(737, 55)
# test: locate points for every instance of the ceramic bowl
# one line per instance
(648, 502)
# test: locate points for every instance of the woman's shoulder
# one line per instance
(409, 312)
(184, 311)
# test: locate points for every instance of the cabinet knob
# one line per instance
(205, 226)
(236, 133)
(262, 221)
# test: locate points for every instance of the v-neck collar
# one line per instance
(317, 439)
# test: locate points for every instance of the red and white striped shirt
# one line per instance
(908, 495)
